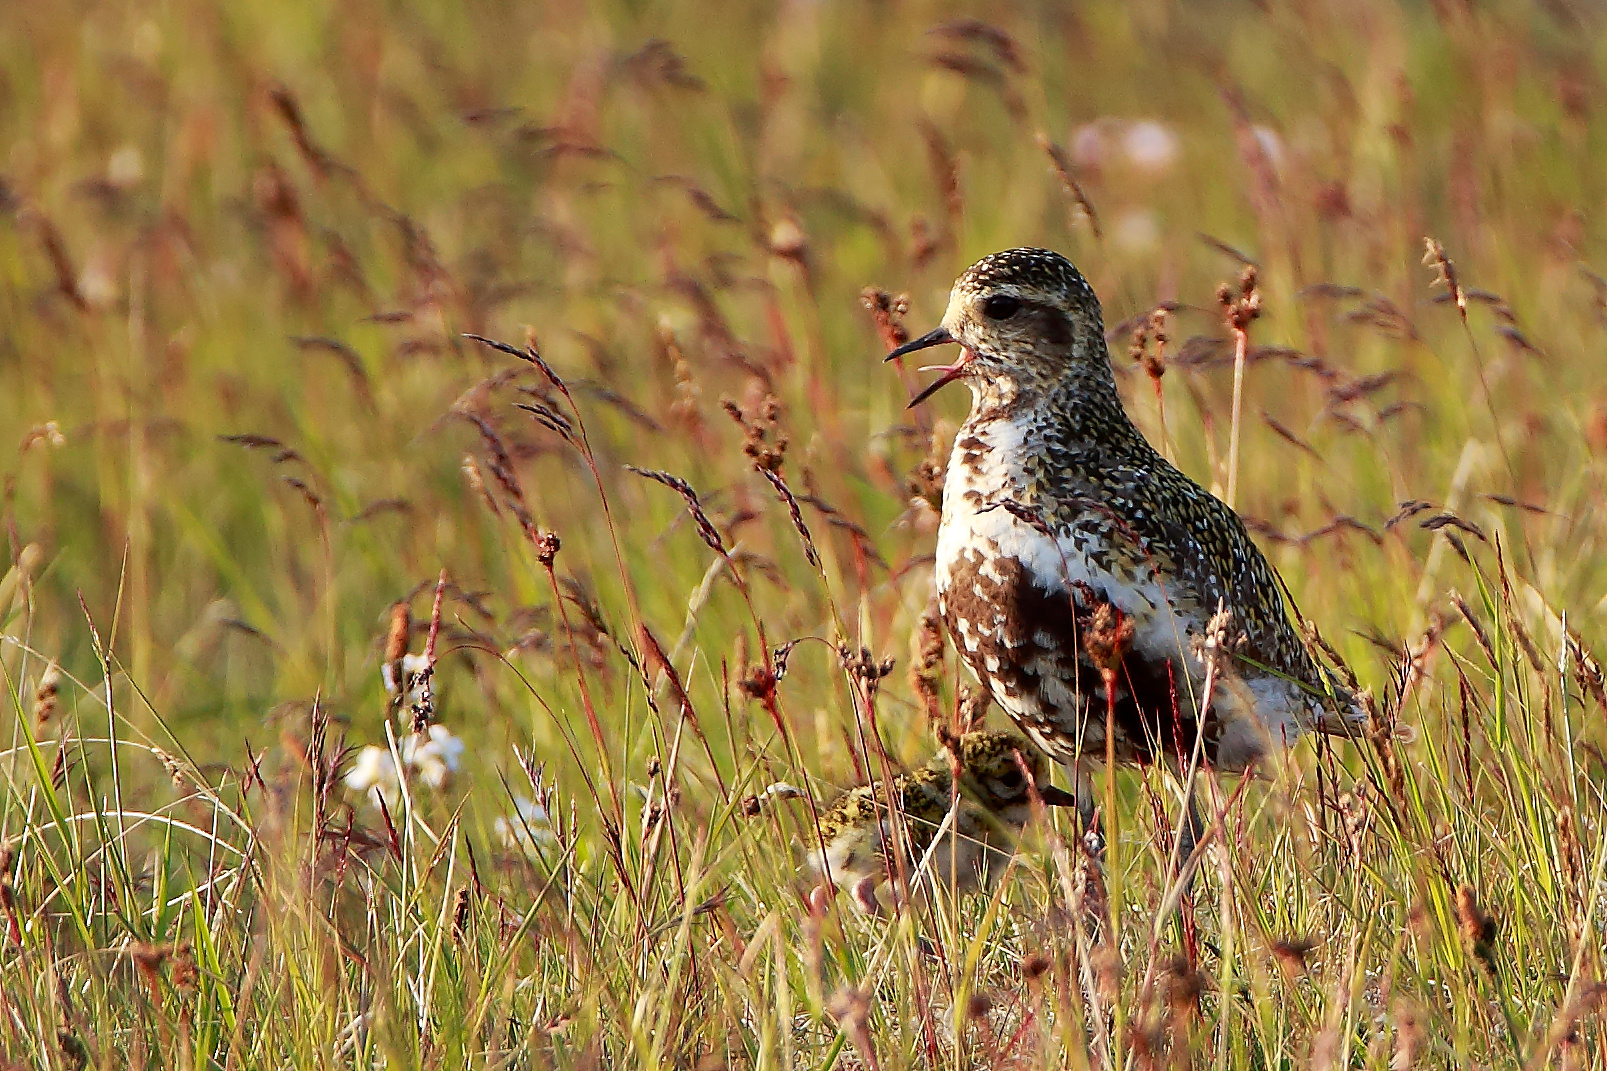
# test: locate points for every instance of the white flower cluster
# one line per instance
(529, 831)
(432, 756)
(374, 775)
(412, 667)
(435, 754)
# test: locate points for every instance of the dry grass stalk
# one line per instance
(1240, 309)
(694, 507)
(1445, 274)
(8, 895)
(1061, 166)
(784, 493)
(851, 1009)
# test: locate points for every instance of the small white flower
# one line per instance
(1150, 146)
(1136, 231)
(374, 776)
(530, 831)
(126, 167)
(97, 283)
(412, 666)
(1089, 145)
(435, 754)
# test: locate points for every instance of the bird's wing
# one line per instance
(1210, 561)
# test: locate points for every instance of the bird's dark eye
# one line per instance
(1010, 779)
(1001, 307)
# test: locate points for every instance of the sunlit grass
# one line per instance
(243, 422)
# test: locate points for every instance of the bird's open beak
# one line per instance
(951, 372)
(1056, 797)
(927, 341)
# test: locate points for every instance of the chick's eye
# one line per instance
(1010, 779)
(1001, 307)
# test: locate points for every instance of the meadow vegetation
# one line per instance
(269, 510)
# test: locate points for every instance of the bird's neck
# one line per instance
(1079, 414)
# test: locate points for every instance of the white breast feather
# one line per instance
(1057, 564)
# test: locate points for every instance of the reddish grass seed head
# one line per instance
(888, 313)
(1107, 636)
(1477, 926)
(1242, 306)
(47, 695)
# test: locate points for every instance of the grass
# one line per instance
(242, 249)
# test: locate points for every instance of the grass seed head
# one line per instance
(758, 683)
(1587, 671)
(864, 667)
(8, 896)
(1241, 306)
(47, 695)
(547, 545)
(185, 974)
(972, 707)
(1185, 985)
(888, 313)
(399, 633)
(471, 473)
(1355, 818)
(1434, 256)
(686, 409)
(1477, 926)
(1107, 964)
(851, 1008)
(794, 511)
(789, 242)
(1409, 1036)
(926, 661)
(1107, 636)
(925, 480)
(1292, 953)
(175, 769)
(694, 507)
(1061, 166)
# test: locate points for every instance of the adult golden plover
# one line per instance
(860, 846)
(1070, 553)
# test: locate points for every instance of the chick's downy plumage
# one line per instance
(864, 846)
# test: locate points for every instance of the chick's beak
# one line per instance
(951, 372)
(1056, 797)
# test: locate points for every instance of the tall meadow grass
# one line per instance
(449, 481)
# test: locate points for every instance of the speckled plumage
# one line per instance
(1054, 503)
(992, 805)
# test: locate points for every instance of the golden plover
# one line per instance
(1071, 553)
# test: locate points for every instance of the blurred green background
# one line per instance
(276, 221)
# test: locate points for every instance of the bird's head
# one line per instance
(990, 772)
(1026, 322)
